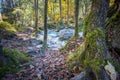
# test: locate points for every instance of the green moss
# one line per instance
(14, 59)
(93, 53)
(87, 22)
(73, 59)
(92, 38)
(6, 30)
(89, 54)
(6, 26)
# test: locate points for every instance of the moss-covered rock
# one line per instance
(14, 59)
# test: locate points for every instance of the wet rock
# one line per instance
(52, 33)
(30, 48)
(29, 30)
(111, 71)
(81, 76)
(39, 46)
(31, 53)
(40, 36)
(65, 34)
(31, 66)
(36, 42)
(80, 34)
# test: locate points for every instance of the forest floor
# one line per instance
(50, 65)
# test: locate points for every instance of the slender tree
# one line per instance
(45, 24)
(68, 5)
(36, 15)
(76, 17)
(60, 6)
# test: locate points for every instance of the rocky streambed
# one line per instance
(56, 39)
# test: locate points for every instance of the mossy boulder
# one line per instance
(13, 59)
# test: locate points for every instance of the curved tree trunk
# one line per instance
(96, 50)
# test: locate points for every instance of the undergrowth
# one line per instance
(6, 30)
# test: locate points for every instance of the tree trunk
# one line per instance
(76, 17)
(60, 6)
(113, 27)
(45, 24)
(96, 50)
(0, 16)
(2, 57)
(36, 15)
(68, 4)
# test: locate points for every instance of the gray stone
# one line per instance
(31, 53)
(81, 76)
(80, 34)
(65, 34)
(36, 42)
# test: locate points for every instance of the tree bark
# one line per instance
(76, 17)
(113, 27)
(96, 50)
(45, 24)
(68, 4)
(36, 15)
(60, 6)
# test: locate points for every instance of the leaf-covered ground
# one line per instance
(50, 65)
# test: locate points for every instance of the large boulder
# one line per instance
(65, 34)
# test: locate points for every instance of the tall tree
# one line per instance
(96, 52)
(36, 15)
(45, 24)
(76, 17)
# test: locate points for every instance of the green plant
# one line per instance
(6, 26)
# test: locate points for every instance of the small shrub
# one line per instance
(6, 30)
(6, 26)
